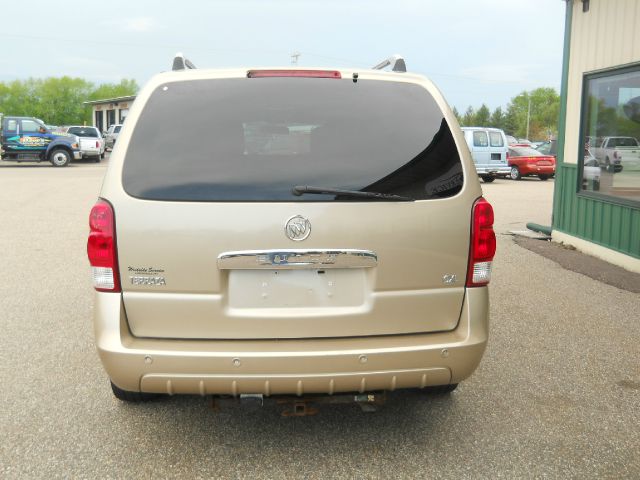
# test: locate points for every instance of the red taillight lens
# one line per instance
(101, 248)
(97, 144)
(483, 244)
(294, 73)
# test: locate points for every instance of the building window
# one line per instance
(610, 160)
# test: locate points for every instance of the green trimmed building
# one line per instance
(596, 205)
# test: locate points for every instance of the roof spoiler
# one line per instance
(181, 63)
(396, 62)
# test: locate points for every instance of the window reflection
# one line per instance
(610, 162)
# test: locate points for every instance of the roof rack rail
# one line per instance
(181, 63)
(396, 61)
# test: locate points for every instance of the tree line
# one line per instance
(58, 100)
(541, 107)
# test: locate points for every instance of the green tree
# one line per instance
(468, 119)
(125, 88)
(58, 101)
(454, 110)
(482, 116)
(540, 106)
(497, 118)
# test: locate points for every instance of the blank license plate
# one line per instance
(297, 288)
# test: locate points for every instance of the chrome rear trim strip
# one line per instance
(296, 259)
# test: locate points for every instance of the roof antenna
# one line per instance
(181, 63)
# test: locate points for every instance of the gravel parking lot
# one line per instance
(557, 394)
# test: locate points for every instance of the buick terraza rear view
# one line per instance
(290, 231)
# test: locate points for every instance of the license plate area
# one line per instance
(310, 288)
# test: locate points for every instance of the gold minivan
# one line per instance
(290, 231)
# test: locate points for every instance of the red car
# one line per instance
(525, 161)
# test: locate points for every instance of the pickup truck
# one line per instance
(92, 144)
(614, 153)
(27, 139)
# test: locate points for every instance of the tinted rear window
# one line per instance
(253, 139)
(524, 152)
(83, 132)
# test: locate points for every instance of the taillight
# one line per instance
(97, 144)
(483, 244)
(101, 248)
(294, 73)
(615, 155)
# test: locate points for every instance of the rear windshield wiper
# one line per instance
(302, 189)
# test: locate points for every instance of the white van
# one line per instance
(488, 148)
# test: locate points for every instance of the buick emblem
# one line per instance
(297, 228)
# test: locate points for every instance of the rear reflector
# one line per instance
(483, 244)
(294, 73)
(101, 248)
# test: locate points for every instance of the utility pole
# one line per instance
(528, 117)
(294, 58)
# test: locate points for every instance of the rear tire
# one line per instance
(515, 173)
(608, 167)
(59, 157)
(487, 178)
(544, 178)
(441, 389)
(133, 397)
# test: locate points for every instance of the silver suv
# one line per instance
(298, 231)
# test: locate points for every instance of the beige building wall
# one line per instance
(607, 35)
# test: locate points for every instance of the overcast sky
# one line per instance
(476, 51)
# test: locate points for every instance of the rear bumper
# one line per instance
(90, 153)
(538, 170)
(498, 170)
(268, 367)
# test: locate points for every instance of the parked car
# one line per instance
(511, 140)
(278, 243)
(92, 145)
(112, 135)
(488, 147)
(526, 161)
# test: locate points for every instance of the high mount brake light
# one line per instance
(101, 248)
(483, 244)
(294, 73)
